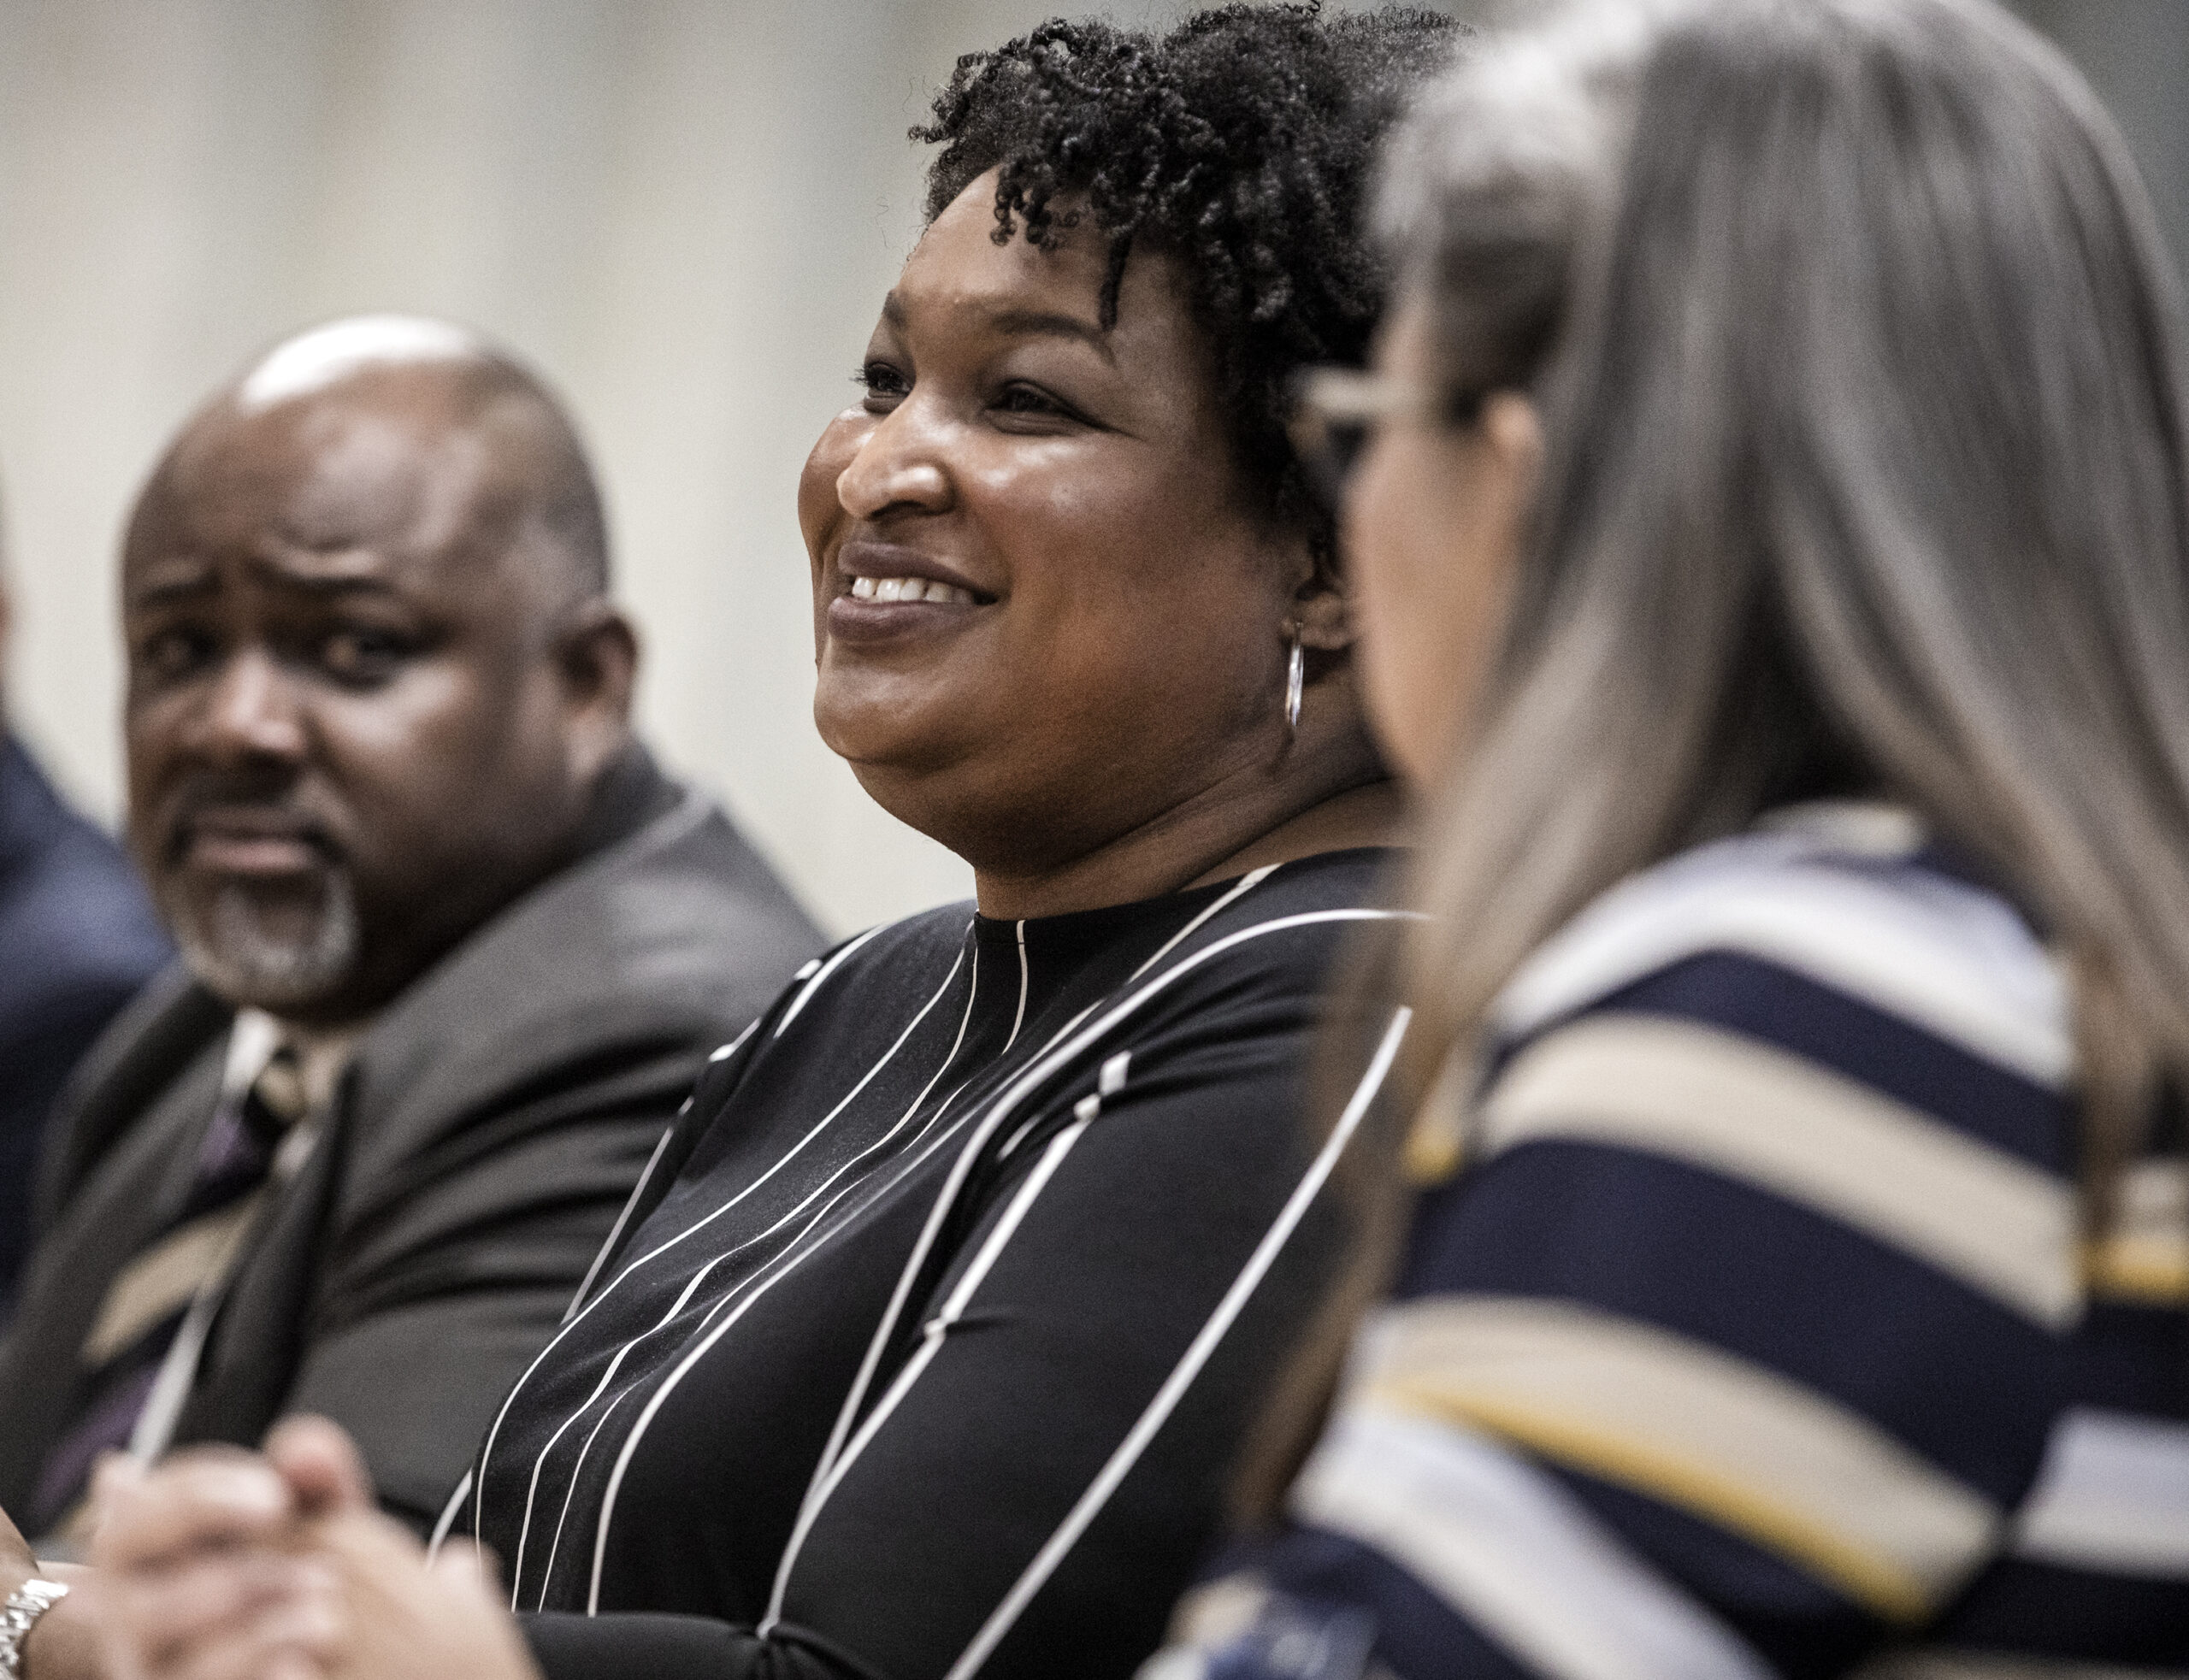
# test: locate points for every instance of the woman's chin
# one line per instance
(887, 731)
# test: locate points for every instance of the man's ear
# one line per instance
(597, 656)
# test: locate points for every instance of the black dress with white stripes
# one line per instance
(925, 1345)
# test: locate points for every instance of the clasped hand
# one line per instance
(221, 1564)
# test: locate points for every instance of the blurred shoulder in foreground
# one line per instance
(77, 939)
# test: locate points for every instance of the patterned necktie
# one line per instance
(145, 1306)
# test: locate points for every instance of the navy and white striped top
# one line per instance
(1755, 1336)
(932, 1330)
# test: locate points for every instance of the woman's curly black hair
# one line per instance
(1242, 145)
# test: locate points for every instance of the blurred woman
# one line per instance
(1802, 708)
(933, 1325)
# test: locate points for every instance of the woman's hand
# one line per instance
(197, 1570)
(60, 1646)
(227, 1567)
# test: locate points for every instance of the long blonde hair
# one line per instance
(1864, 391)
(1486, 195)
(1868, 469)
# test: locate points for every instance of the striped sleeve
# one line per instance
(1736, 1347)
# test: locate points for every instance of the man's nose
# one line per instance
(900, 464)
(252, 712)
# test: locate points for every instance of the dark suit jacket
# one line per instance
(77, 940)
(488, 1131)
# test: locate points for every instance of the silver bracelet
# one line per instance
(19, 1615)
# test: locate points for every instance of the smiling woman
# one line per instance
(1053, 623)
(926, 1344)
(1055, 598)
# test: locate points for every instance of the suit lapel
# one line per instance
(122, 1199)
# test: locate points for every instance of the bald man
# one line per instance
(454, 951)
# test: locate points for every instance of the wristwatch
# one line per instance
(19, 1615)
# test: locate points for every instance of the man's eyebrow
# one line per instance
(161, 591)
(198, 582)
(337, 583)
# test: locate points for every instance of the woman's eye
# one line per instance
(884, 383)
(1029, 399)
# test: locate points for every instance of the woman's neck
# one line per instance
(1373, 814)
(1338, 801)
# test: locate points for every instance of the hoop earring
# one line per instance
(1295, 679)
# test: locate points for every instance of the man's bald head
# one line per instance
(373, 672)
(368, 404)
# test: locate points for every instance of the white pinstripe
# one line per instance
(1248, 882)
(1036, 1075)
(821, 976)
(1069, 1041)
(1111, 1078)
(723, 1052)
(448, 1519)
(616, 1231)
(570, 1492)
(454, 1505)
(570, 1323)
(931, 1336)
(1114, 1068)
(1097, 1494)
(784, 1264)
(747, 1291)
(684, 1296)
(1025, 976)
(865, 1373)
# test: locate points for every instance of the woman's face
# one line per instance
(1432, 530)
(1043, 615)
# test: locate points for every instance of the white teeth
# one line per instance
(909, 589)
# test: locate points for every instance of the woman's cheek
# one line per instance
(1411, 536)
(818, 507)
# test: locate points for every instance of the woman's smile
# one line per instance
(892, 592)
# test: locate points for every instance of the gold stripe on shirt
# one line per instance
(1787, 1468)
(2143, 1257)
(1949, 1665)
(1743, 1109)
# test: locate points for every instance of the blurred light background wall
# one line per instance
(685, 212)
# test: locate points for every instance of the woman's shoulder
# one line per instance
(1840, 910)
(1353, 885)
(918, 937)
(1279, 925)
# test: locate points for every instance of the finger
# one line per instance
(476, 1567)
(292, 1665)
(301, 1628)
(205, 1595)
(257, 1654)
(320, 1463)
(113, 1473)
(203, 1498)
(303, 1635)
